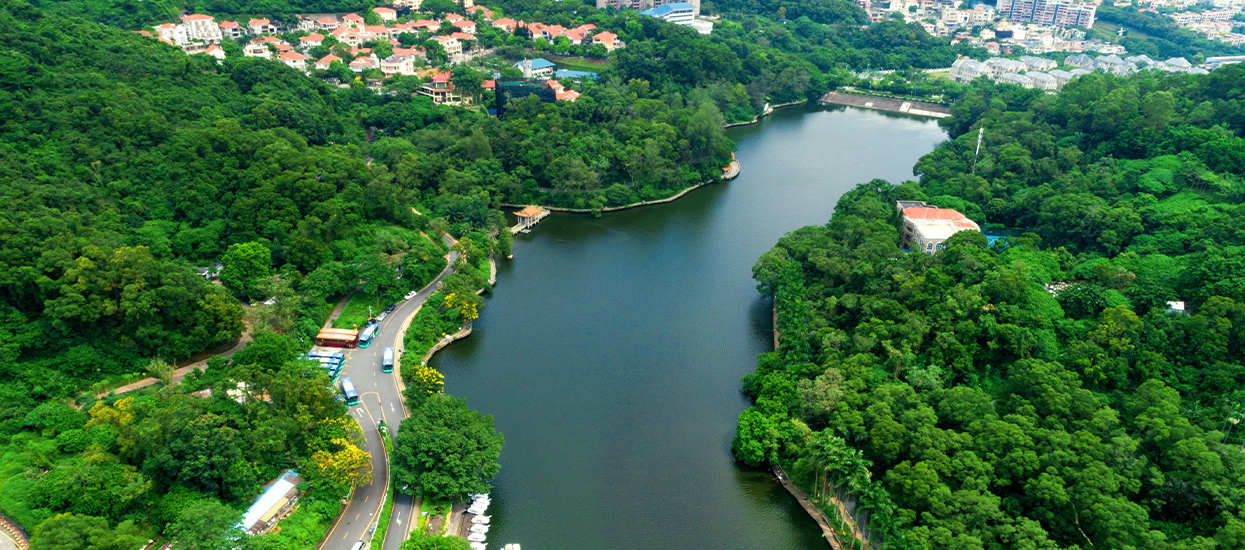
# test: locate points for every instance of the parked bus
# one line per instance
(338, 338)
(386, 364)
(352, 398)
(370, 332)
(334, 354)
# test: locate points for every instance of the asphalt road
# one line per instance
(379, 399)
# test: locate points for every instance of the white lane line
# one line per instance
(391, 408)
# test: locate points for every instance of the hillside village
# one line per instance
(397, 45)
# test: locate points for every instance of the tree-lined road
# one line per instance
(379, 400)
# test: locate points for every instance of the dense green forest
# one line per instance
(962, 403)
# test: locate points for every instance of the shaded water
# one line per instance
(611, 351)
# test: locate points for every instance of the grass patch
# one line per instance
(433, 507)
(382, 527)
(355, 315)
(940, 75)
(580, 64)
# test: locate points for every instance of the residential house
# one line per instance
(1001, 65)
(172, 33)
(398, 64)
(261, 26)
(451, 45)
(927, 227)
(1014, 78)
(230, 29)
(466, 25)
(352, 20)
(413, 4)
(375, 32)
(487, 13)
(364, 63)
(327, 22)
(1061, 77)
(257, 49)
(536, 69)
(311, 40)
(386, 14)
(350, 36)
(967, 70)
(452, 17)
(215, 51)
(324, 62)
(426, 24)
(294, 59)
(1042, 81)
(1038, 63)
(607, 39)
(506, 24)
(201, 27)
(441, 89)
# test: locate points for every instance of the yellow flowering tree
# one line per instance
(428, 379)
(349, 466)
(467, 304)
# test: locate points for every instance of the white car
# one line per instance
(411, 294)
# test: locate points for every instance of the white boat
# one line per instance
(479, 528)
(475, 511)
(478, 545)
(477, 537)
(480, 519)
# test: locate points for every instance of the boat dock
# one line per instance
(529, 216)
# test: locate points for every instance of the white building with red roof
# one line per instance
(261, 26)
(230, 29)
(364, 63)
(257, 49)
(607, 39)
(386, 14)
(215, 51)
(926, 227)
(294, 59)
(311, 40)
(324, 62)
(451, 45)
(352, 20)
(327, 22)
(452, 17)
(506, 24)
(427, 24)
(487, 13)
(172, 33)
(466, 25)
(201, 27)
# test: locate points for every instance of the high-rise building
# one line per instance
(1061, 13)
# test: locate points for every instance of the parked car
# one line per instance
(391, 308)
(411, 294)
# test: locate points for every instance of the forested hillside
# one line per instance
(993, 411)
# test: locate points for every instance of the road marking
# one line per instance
(391, 407)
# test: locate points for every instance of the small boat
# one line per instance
(478, 545)
(480, 519)
(475, 511)
(479, 528)
(477, 537)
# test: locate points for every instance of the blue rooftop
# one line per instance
(537, 63)
(663, 10)
(568, 73)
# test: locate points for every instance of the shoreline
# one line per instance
(768, 111)
(888, 104)
(732, 173)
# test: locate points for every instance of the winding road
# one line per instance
(379, 400)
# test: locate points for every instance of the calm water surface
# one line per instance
(611, 351)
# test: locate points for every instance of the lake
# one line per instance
(611, 350)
